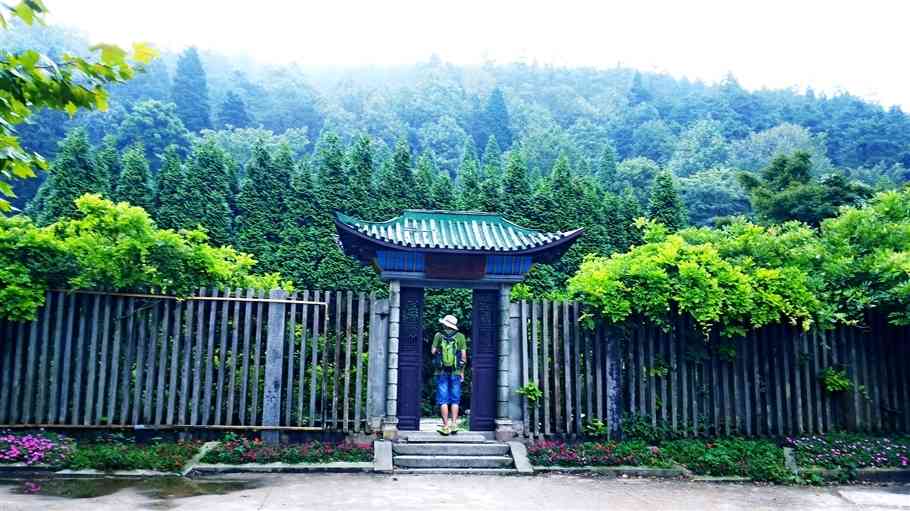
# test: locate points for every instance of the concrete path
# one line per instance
(474, 493)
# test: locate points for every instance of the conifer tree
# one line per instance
(665, 205)
(469, 182)
(332, 178)
(72, 174)
(423, 180)
(442, 193)
(191, 93)
(300, 249)
(360, 177)
(133, 185)
(204, 194)
(492, 158)
(516, 189)
(606, 169)
(631, 211)
(262, 205)
(398, 186)
(107, 160)
(494, 120)
(233, 112)
(637, 92)
(167, 197)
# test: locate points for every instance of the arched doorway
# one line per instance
(449, 249)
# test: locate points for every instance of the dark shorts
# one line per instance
(448, 389)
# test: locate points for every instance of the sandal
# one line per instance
(444, 430)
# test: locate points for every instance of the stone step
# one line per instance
(424, 436)
(451, 449)
(411, 461)
(463, 471)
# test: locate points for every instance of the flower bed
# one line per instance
(34, 448)
(761, 460)
(846, 451)
(119, 455)
(604, 454)
(234, 451)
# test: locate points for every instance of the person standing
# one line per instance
(450, 355)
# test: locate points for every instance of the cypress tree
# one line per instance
(637, 92)
(262, 205)
(300, 249)
(516, 189)
(72, 174)
(107, 160)
(494, 120)
(204, 194)
(631, 211)
(469, 182)
(606, 169)
(492, 158)
(442, 193)
(360, 172)
(167, 196)
(133, 185)
(665, 205)
(423, 180)
(332, 178)
(191, 93)
(233, 112)
(398, 187)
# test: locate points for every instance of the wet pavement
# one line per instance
(423, 492)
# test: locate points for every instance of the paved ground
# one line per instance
(424, 492)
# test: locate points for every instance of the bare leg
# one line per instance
(444, 410)
(455, 415)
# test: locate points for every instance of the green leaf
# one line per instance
(144, 53)
(111, 55)
(70, 109)
(25, 13)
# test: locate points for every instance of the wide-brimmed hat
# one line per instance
(449, 321)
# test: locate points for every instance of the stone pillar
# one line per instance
(390, 422)
(274, 354)
(516, 411)
(504, 429)
(378, 367)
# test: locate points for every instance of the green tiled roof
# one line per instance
(454, 231)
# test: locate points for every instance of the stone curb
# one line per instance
(868, 475)
(618, 471)
(203, 469)
(191, 464)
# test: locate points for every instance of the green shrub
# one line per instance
(632, 453)
(235, 450)
(851, 451)
(108, 456)
(761, 460)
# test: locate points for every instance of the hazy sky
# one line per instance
(831, 45)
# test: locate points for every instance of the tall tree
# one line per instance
(516, 189)
(665, 205)
(606, 168)
(469, 182)
(423, 180)
(494, 120)
(233, 112)
(332, 178)
(72, 174)
(396, 185)
(107, 159)
(638, 93)
(191, 92)
(262, 205)
(442, 193)
(360, 177)
(204, 194)
(156, 125)
(167, 191)
(133, 185)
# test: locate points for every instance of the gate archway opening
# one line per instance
(423, 249)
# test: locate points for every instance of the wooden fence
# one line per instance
(103, 360)
(768, 383)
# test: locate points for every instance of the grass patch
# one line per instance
(116, 455)
(761, 460)
(235, 450)
(602, 454)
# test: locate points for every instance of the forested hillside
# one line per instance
(260, 156)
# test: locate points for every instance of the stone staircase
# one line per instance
(467, 452)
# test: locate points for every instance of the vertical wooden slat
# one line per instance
(876, 381)
(102, 366)
(245, 371)
(16, 412)
(674, 378)
(140, 363)
(902, 340)
(347, 360)
(725, 367)
(599, 371)
(175, 361)
(661, 340)
(523, 321)
(811, 425)
(7, 349)
(558, 402)
(535, 353)
(683, 361)
(854, 376)
(115, 361)
(358, 359)
(52, 412)
(189, 341)
(314, 361)
(784, 335)
(324, 404)
(577, 372)
(650, 333)
(162, 362)
(235, 337)
(92, 362)
(818, 366)
(43, 360)
(198, 342)
(127, 367)
(747, 364)
(795, 337)
(261, 321)
(714, 384)
(546, 368)
(151, 351)
(868, 419)
(291, 338)
(567, 364)
(301, 377)
(589, 378)
(62, 411)
(209, 361)
(222, 359)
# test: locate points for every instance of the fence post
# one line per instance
(612, 339)
(378, 364)
(271, 402)
(390, 420)
(516, 413)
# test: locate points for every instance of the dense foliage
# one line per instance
(110, 246)
(630, 453)
(235, 450)
(744, 276)
(760, 460)
(850, 451)
(123, 455)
